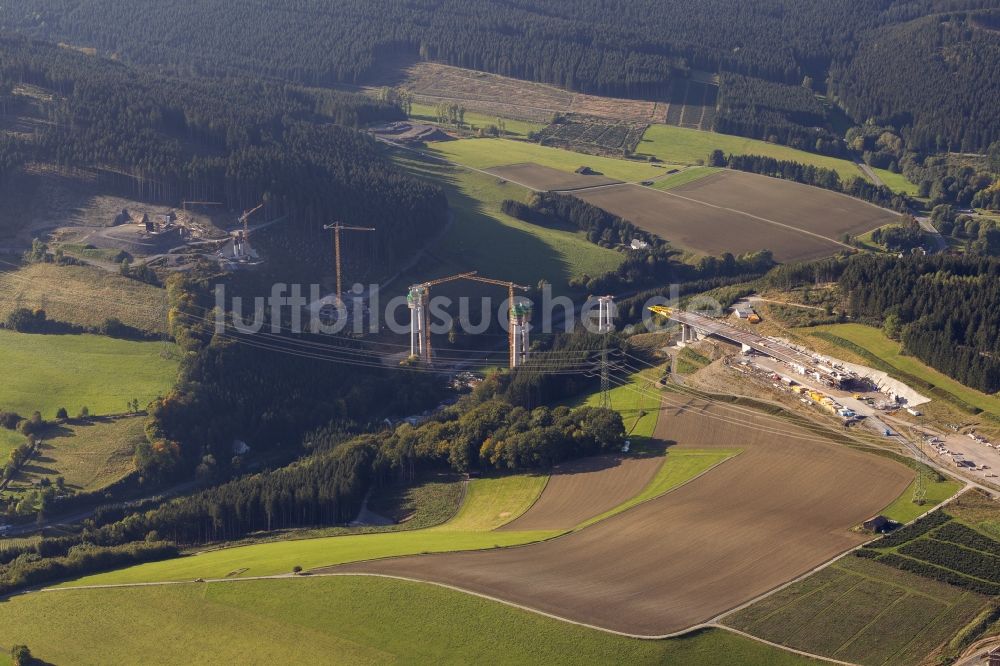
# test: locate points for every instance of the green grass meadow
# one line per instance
(342, 619)
(483, 238)
(680, 145)
(487, 153)
(46, 372)
(638, 402)
(489, 503)
(89, 455)
(903, 510)
(897, 182)
(493, 502)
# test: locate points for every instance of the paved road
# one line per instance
(940, 244)
(758, 299)
(867, 170)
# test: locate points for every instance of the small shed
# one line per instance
(877, 523)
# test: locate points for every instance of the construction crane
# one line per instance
(517, 326)
(337, 227)
(242, 239)
(417, 299)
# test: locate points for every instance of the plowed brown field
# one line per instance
(585, 488)
(733, 211)
(778, 510)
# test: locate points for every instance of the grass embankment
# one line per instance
(486, 153)
(978, 511)
(897, 182)
(637, 402)
(493, 502)
(46, 372)
(354, 620)
(861, 611)
(428, 500)
(873, 345)
(680, 145)
(83, 251)
(519, 129)
(903, 510)
(83, 295)
(689, 361)
(89, 456)
(497, 245)
(683, 177)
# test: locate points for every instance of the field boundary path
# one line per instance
(293, 576)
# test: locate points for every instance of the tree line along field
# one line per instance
(310, 619)
(489, 504)
(46, 372)
(60, 291)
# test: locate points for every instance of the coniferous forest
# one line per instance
(945, 309)
(926, 67)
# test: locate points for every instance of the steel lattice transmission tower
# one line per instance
(920, 488)
(605, 325)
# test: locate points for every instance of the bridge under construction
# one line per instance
(693, 324)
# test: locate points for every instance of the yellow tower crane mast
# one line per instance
(337, 227)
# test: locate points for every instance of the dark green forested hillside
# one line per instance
(943, 308)
(234, 140)
(912, 63)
